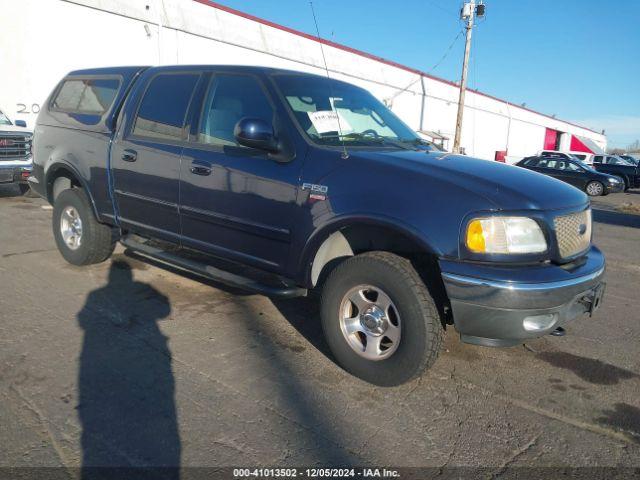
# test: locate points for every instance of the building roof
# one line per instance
(370, 56)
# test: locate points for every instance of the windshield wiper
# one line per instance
(421, 142)
(397, 142)
(379, 140)
(354, 136)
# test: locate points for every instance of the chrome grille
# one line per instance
(14, 146)
(573, 233)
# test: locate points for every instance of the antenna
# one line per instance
(345, 154)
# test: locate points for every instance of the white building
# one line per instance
(42, 40)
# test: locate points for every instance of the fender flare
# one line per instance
(321, 234)
(62, 165)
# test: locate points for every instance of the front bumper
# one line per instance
(15, 171)
(614, 187)
(502, 306)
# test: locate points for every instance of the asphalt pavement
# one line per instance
(130, 363)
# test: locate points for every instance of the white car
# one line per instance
(15, 153)
(586, 158)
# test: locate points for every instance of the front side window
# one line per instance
(569, 167)
(597, 159)
(543, 163)
(92, 96)
(164, 106)
(231, 98)
(331, 112)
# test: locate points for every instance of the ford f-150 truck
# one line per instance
(15, 153)
(281, 182)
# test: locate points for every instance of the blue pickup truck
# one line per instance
(280, 182)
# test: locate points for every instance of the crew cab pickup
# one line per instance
(281, 182)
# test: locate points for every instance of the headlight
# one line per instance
(505, 235)
(613, 180)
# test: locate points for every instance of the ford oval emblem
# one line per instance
(582, 229)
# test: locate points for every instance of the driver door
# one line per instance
(572, 173)
(235, 201)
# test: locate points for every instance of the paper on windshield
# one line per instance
(326, 121)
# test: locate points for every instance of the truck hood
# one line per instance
(13, 129)
(507, 187)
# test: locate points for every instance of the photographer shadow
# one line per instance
(126, 386)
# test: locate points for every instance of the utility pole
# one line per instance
(468, 13)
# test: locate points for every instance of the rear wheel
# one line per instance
(379, 319)
(81, 239)
(594, 189)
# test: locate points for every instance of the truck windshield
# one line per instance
(620, 161)
(332, 112)
(4, 120)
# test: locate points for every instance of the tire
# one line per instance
(95, 241)
(594, 189)
(412, 313)
(627, 185)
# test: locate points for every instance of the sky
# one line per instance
(577, 59)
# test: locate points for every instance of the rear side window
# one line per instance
(164, 106)
(92, 96)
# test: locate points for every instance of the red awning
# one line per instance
(582, 144)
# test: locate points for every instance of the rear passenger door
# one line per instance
(236, 201)
(145, 158)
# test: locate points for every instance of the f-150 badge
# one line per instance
(316, 192)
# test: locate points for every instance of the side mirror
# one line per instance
(256, 133)
(20, 123)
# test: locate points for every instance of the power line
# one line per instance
(436, 65)
(447, 51)
(441, 8)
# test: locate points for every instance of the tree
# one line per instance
(634, 147)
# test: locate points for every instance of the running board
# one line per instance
(287, 290)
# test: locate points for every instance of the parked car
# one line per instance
(575, 173)
(15, 153)
(312, 183)
(614, 165)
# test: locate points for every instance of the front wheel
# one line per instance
(627, 184)
(81, 239)
(594, 189)
(379, 319)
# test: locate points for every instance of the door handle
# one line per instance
(198, 170)
(129, 155)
